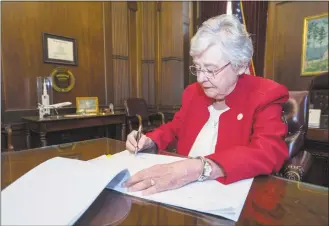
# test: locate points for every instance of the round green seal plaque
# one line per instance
(62, 79)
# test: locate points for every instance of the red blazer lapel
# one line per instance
(231, 122)
(230, 127)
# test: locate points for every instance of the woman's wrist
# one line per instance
(217, 171)
(150, 145)
(153, 145)
(195, 169)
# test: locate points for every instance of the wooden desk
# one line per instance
(271, 200)
(60, 123)
(317, 143)
(318, 134)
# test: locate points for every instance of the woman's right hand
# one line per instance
(143, 143)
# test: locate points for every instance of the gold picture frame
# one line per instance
(88, 105)
(315, 45)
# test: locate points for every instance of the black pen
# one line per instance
(138, 137)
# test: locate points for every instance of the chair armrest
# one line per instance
(159, 114)
(297, 167)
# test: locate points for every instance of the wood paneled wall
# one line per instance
(125, 49)
(118, 30)
(171, 53)
(149, 35)
(22, 61)
(284, 41)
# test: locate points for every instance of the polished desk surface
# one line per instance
(271, 200)
(70, 117)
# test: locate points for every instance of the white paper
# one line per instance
(208, 196)
(56, 192)
(60, 49)
(314, 118)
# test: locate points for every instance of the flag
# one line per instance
(238, 12)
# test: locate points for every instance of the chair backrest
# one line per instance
(134, 106)
(319, 92)
(295, 114)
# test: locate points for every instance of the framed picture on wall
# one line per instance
(59, 50)
(88, 105)
(315, 45)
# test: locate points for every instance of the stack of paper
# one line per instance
(208, 196)
(60, 190)
(314, 118)
(57, 192)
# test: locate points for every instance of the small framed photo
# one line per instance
(87, 105)
(59, 49)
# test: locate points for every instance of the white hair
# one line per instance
(230, 35)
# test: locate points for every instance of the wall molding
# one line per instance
(172, 58)
(120, 57)
(148, 61)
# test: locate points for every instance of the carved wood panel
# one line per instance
(171, 80)
(148, 51)
(120, 53)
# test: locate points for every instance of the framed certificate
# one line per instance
(59, 49)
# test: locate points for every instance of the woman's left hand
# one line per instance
(164, 177)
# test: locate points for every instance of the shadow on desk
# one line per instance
(113, 208)
(110, 208)
(271, 201)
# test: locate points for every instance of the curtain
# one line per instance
(255, 14)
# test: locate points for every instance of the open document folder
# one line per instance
(60, 190)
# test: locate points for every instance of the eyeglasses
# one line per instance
(196, 70)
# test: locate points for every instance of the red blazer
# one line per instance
(245, 148)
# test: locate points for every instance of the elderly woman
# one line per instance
(229, 123)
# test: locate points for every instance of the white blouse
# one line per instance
(206, 140)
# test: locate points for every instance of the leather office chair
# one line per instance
(295, 114)
(138, 114)
(319, 92)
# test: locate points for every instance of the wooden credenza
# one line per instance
(42, 127)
